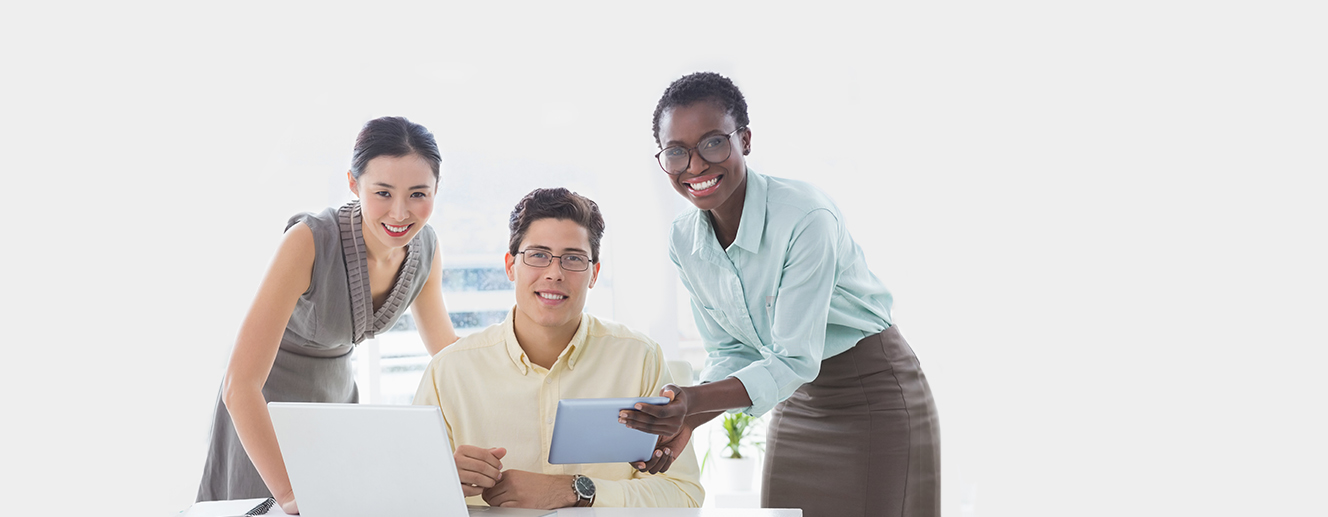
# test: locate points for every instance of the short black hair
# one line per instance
(702, 86)
(555, 203)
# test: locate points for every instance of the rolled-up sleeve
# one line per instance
(798, 323)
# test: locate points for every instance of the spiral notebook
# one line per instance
(232, 508)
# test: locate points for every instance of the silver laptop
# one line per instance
(353, 460)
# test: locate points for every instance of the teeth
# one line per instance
(548, 296)
(395, 229)
(704, 185)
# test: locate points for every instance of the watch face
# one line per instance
(585, 487)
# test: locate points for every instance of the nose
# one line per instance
(695, 163)
(398, 210)
(554, 271)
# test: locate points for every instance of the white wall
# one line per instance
(1102, 224)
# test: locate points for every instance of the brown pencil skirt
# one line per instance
(862, 439)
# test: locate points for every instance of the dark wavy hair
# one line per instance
(702, 86)
(394, 136)
(556, 203)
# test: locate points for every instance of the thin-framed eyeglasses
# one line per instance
(568, 261)
(713, 149)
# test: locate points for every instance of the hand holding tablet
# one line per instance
(588, 431)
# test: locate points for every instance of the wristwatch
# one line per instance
(585, 490)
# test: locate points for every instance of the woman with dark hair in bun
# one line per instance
(339, 277)
(793, 323)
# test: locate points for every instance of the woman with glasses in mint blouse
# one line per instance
(792, 321)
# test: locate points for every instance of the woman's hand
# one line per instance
(287, 503)
(663, 420)
(666, 450)
(668, 421)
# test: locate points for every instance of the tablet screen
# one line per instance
(588, 431)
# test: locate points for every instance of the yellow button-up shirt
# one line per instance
(491, 395)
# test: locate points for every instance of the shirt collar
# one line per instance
(752, 225)
(571, 354)
(750, 228)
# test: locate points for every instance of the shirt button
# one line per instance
(548, 381)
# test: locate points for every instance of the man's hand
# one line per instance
(479, 469)
(521, 489)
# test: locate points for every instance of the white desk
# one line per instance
(215, 508)
(680, 512)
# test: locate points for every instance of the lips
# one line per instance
(703, 187)
(397, 231)
(550, 297)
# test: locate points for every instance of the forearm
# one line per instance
(253, 424)
(706, 401)
(695, 420)
(433, 346)
(679, 487)
(657, 491)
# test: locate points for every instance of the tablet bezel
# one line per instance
(588, 431)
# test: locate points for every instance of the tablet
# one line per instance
(588, 431)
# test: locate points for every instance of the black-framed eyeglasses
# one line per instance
(713, 149)
(568, 261)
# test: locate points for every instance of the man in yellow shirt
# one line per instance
(499, 388)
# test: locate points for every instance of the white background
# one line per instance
(1104, 225)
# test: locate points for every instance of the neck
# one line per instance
(726, 218)
(375, 249)
(543, 344)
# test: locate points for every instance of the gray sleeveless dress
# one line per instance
(313, 363)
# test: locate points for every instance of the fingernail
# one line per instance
(658, 454)
(622, 420)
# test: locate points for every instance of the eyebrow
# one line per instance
(672, 143)
(565, 250)
(416, 187)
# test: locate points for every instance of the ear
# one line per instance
(354, 189)
(594, 275)
(747, 141)
(511, 261)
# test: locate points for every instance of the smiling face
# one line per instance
(709, 186)
(396, 199)
(550, 296)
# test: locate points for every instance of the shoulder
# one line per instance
(428, 244)
(686, 221)
(490, 337)
(790, 198)
(322, 228)
(321, 221)
(487, 341)
(684, 229)
(429, 237)
(621, 337)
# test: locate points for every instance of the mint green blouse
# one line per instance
(792, 290)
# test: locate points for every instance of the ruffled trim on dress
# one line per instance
(365, 321)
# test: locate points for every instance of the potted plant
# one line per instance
(736, 467)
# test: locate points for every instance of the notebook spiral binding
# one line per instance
(262, 507)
